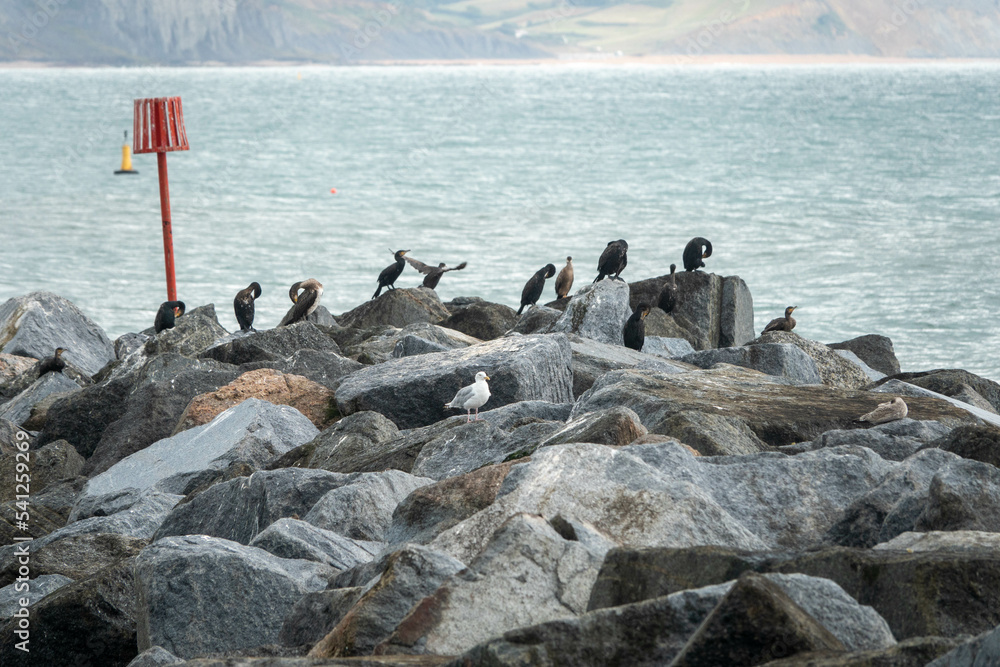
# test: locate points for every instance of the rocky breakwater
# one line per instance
(299, 496)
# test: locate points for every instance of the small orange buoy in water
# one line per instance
(333, 191)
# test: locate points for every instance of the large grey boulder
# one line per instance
(893, 441)
(413, 390)
(192, 334)
(200, 594)
(409, 575)
(239, 509)
(872, 374)
(980, 651)
(712, 434)
(253, 432)
(352, 436)
(834, 370)
(362, 508)
(954, 382)
(413, 339)
(964, 495)
(155, 656)
(592, 359)
(48, 464)
(77, 557)
(316, 614)
(274, 345)
(18, 409)
(397, 307)
(896, 387)
(527, 574)
(462, 449)
(296, 539)
(35, 324)
(772, 359)
(668, 348)
(11, 595)
(978, 442)
(736, 317)
(616, 427)
(323, 367)
(597, 311)
(478, 318)
(874, 350)
(536, 320)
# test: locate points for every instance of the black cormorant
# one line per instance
(243, 305)
(434, 273)
(635, 329)
(305, 303)
(536, 283)
(53, 364)
(166, 314)
(668, 297)
(564, 281)
(613, 260)
(786, 323)
(390, 273)
(693, 253)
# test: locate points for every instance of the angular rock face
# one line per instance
(254, 432)
(712, 435)
(978, 651)
(527, 574)
(537, 319)
(291, 538)
(736, 319)
(668, 348)
(833, 368)
(276, 345)
(874, 350)
(979, 443)
(461, 450)
(598, 312)
(397, 308)
(309, 398)
(93, 618)
(413, 339)
(199, 594)
(316, 614)
(325, 368)
(893, 441)
(49, 464)
(872, 374)
(18, 409)
(41, 586)
(35, 324)
(781, 360)
(954, 381)
(192, 334)
(479, 319)
(616, 427)
(777, 413)
(351, 437)
(12, 367)
(411, 574)
(592, 359)
(412, 391)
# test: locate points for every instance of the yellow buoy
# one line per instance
(126, 158)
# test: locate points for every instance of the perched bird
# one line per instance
(434, 273)
(305, 303)
(886, 412)
(668, 296)
(564, 281)
(693, 253)
(533, 288)
(166, 314)
(472, 397)
(53, 364)
(391, 272)
(635, 328)
(243, 305)
(786, 323)
(613, 260)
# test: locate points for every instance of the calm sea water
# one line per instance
(869, 196)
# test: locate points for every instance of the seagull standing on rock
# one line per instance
(472, 397)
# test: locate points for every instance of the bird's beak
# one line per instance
(794, 307)
(177, 312)
(703, 255)
(295, 299)
(644, 313)
(403, 252)
(487, 377)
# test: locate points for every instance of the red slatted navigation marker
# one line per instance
(158, 127)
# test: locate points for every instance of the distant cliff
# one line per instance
(132, 32)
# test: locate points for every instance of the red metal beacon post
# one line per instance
(158, 127)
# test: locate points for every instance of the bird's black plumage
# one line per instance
(165, 316)
(613, 260)
(305, 303)
(243, 305)
(533, 288)
(391, 272)
(434, 273)
(693, 253)
(668, 296)
(635, 329)
(53, 364)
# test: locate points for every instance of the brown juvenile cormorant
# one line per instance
(786, 323)
(693, 253)
(434, 273)
(305, 303)
(243, 305)
(536, 283)
(886, 412)
(390, 273)
(166, 314)
(613, 260)
(53, 364)
(635, 329)
(564, 281)
(668, 297)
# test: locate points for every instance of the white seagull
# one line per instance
(473, 396)
(886, 412)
